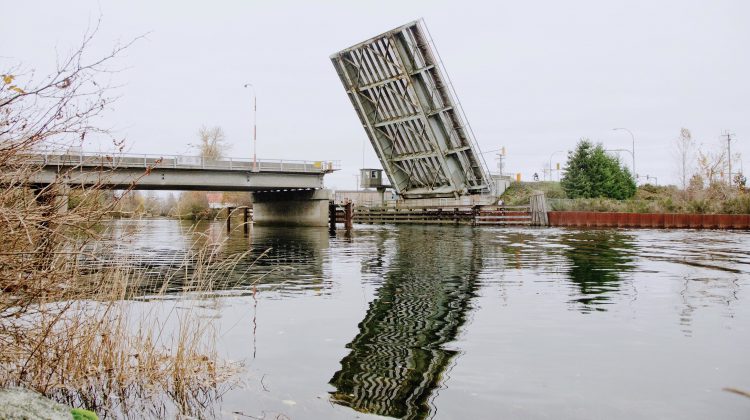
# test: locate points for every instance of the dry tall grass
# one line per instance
(69, 330)
(93, 346)
(717, 199)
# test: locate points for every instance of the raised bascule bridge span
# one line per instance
(284, 191)
(412, 116)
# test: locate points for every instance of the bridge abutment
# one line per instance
(291, 208)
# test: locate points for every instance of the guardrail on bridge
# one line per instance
(115, 161)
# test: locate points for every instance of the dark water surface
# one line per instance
(461, 322)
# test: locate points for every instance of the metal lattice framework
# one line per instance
(405, 104)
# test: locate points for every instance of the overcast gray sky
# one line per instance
(532, 76)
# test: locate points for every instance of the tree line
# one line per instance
(591, 172)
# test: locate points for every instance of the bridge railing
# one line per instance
(120, 160)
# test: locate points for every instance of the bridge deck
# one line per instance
(116, 161)
(154, 172)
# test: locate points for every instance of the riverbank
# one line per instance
(649, 220)
(719, 199)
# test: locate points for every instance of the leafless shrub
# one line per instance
(66, 329)
(684, 149)
(212, 143)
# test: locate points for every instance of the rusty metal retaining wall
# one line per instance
(649, 220)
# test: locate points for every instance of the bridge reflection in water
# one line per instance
(398, 358)
(163, 257)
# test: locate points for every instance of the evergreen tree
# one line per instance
(591, 172)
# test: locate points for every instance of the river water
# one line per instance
(461, 322)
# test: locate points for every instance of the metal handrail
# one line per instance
(148, 160)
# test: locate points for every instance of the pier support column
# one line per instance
(55, 196)
(291, 208)
(246, 220)
(61, 201)
(229, 218)
(348, 215)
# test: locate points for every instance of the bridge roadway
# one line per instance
(285, 192)
(187, 173)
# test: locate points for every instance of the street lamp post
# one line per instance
(255, 124)
(632, 137)
(619, 150)
(635, 177)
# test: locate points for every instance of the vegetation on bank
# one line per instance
(719, 199)
(597, 181)
(519, 193)
(189, 205)
(69, 328)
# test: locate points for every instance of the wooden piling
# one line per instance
(348, 215)
(229, 218)
(332, 216)
(538, 209)
(246, 220)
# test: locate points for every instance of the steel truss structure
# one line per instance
(406, 106)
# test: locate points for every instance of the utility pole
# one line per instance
(729, 155)
(500, 160)
(500, 156)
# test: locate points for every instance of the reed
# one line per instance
(112, 337)
(71, 325)
(84, 337)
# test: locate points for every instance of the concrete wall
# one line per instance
(291, 208)
(365, 198)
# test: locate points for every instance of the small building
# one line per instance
(371, 178)
(216, 201)
(500, 183)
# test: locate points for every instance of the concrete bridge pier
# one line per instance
(246, 220)
(291, 208)
(54, 200)
(55, 196)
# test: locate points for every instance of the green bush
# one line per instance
(736, 205)
(668, 205)
(590, 173)
(699, 205)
